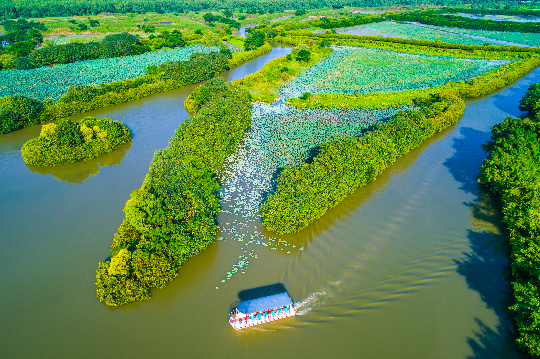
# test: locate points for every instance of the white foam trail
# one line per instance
(307, 305)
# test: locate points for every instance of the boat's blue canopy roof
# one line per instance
(264, 303)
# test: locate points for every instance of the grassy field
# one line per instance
(120, 23)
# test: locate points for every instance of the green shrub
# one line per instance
(8, 121)
(226, 52)
(528, 102)
(67, 141)
(305, 192)
(303, 55)
(172, 217)
(213, 88)
(254, 41)
(22, 63)
(511, 170)
(17, 112)
(110, 46)
(7, 62)
(305, 96)
(80, 93)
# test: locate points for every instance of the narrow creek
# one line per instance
(413, 265)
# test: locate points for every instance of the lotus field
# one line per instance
(408, 31)
(527, 39)
(280, 135)
(445, 34)
(350, 70)
(53, 82)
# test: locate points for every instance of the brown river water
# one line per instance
(413, 265)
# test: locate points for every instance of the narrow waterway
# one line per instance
(411, 266)
(242, 30)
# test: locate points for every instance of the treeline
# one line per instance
(323, 23)
(18, 111)
(114, 45)
(173, 216)
(306, 191)
(429, 18)
(55, 8)
(210, 18)
(67, 141)
(20, 39)
(110, 46)
(511, 171)
(482, 11)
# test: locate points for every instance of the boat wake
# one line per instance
(313, 301)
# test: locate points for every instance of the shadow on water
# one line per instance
(254, 293)
(487, 272)
(76, 173)
(485, 268)
(468, 158)
(485, 339)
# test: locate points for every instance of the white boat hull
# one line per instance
(239, 321)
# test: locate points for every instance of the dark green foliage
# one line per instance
(22, 63)
(529, 102)
(66, 134)
(17, 112)
(205, 94)
(325, 43)
(210, 18)
(21, 38)
(255, 41)
(148, 29)
(93, 23)
(305, 192)
(190, 71)
(226, 52)
(21, 48)
(67, 141)
(165, 39)
(303, 55)
(19, 35)
(80, 93)
(512, 170)
(9, 121)
(111, 46)
(22, 24)
(305, 96)
(288, 57)
(300, 12)
(172, 217)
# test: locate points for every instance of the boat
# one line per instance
(262, 310)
